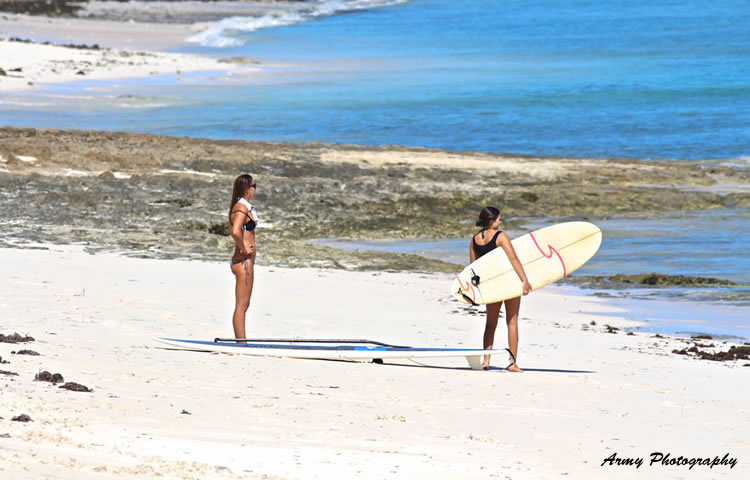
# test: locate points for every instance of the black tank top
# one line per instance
(481, 250)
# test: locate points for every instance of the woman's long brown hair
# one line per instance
(241, 184)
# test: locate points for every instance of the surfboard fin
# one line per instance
(468, 298)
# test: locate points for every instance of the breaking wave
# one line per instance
(223, 33)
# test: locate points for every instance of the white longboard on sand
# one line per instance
(355, 350)
(547, 255)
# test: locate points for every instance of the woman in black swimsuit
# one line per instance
(243, 219)
(488, 239)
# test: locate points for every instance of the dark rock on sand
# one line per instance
(27, 352)
(685, 351)
(657, 279)
(15, 338)
(46, 376)
(734, 353)
(8, 374)
(649, 280)
(76, 387)
(22, 418)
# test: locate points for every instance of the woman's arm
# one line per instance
(504, 241)
(472, 255)
(237, 228)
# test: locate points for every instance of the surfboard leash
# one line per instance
(512, 357)
(475, 278)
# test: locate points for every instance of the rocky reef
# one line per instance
(160, 196)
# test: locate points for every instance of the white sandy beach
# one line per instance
(106, 34)
(156, 412)
(127, 50)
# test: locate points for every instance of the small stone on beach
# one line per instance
(27, 352)
(76, 387)
(734, 353)
(45, 376)
(15, 338)
(22, 418)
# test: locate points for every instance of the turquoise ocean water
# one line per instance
(642, 79)
(580, 78)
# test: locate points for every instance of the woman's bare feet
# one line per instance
(514, 368)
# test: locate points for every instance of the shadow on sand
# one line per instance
(412, 364)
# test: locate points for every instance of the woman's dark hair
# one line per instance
(241, 184)
(487, 216)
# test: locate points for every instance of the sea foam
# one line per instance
(224, 33)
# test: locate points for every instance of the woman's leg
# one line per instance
(512, 308)
(493, 313)
(243, 274)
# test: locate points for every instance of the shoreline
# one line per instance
(36, 50)
(27, 65)
(113, 41)
(152, 411)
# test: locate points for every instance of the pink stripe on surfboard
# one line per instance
(549, 255)
(467, 288)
